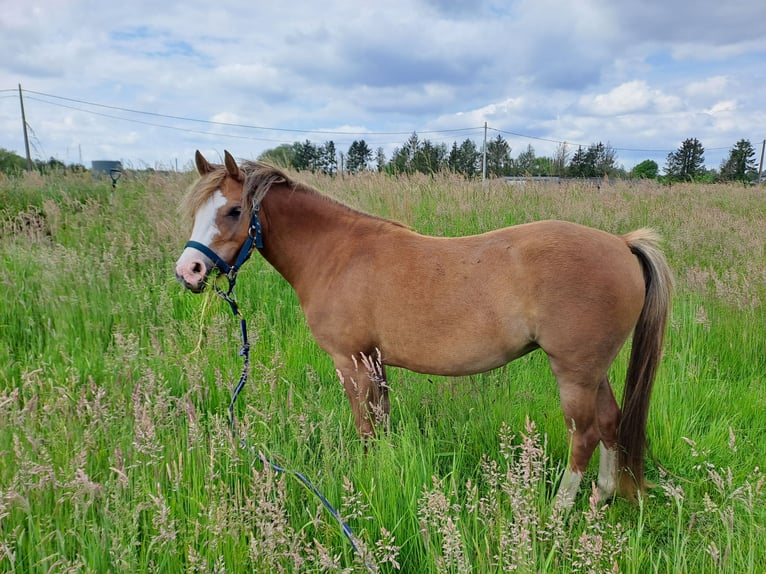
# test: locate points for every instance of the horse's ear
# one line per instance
(231, 166)
(203, 167)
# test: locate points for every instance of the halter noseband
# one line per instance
(254, 240)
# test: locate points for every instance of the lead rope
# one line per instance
(244, 352)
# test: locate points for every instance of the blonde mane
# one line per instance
(260, 177)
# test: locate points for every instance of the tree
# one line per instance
(598, 160)
(327, 158)
(560, 159)
(282, 156)
(359, 155)
(525, 162)
(604, 159)
(401, 161)
(542, 166)
(403, 157)
(11, 163)
(53, 165)
(380, 159)
(453, 159)
(464, 159)
(687, 163)
(499, 160)
(414, 155)
(740, 165)
(579, 166)
(305, 156)
(430, 157)
(647, 169)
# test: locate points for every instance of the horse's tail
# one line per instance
(645, 354)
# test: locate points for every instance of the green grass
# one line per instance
(115, 454)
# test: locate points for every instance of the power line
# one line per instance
(216, 134)
(629, 149)
(234, 125)
(151, 124)
(368, 134)
(580, 145)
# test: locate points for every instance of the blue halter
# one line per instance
(254, 240)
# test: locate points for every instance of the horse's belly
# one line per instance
(452, 353)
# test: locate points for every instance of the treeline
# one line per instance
(418, 155)
(415, 155)
(423, 156)
(13, 164)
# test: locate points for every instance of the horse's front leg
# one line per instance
(364, 380)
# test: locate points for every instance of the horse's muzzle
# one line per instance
(192, 271)
(197, 287)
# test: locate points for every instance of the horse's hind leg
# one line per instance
(592, 416)
(579, 398)
(608, 413)
(364, 380)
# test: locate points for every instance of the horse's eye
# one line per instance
(234, 212)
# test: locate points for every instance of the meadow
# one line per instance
(116, 456)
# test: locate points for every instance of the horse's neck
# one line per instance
(305, 233)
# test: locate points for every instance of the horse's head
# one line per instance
(221, 222)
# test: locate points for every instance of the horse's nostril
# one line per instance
(197, 267)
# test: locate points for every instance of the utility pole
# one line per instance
(484, 157)
(760, 166)
(26, 135)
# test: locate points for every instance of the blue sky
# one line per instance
(640, 76)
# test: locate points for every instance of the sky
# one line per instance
(148, 82)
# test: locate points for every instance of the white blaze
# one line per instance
(204, 230)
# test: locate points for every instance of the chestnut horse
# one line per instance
(453, 306)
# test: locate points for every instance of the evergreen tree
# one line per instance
(305, 156)
(579, 166)
(403, 157)
(597, 161)
(560, 159)
(415, 155)
(327, 159)
(525, 162)
(740, 165)
(380, 159)
(464, 159)
(429, 157)
(604, 159)
(687, 163)
(453, 159)
(499, 160)
(401, 161)
(359, 155)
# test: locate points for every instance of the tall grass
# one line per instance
(115, 453)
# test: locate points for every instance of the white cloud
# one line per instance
(708, 87)
(629, 98)
(643, 75)
(723, 107)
